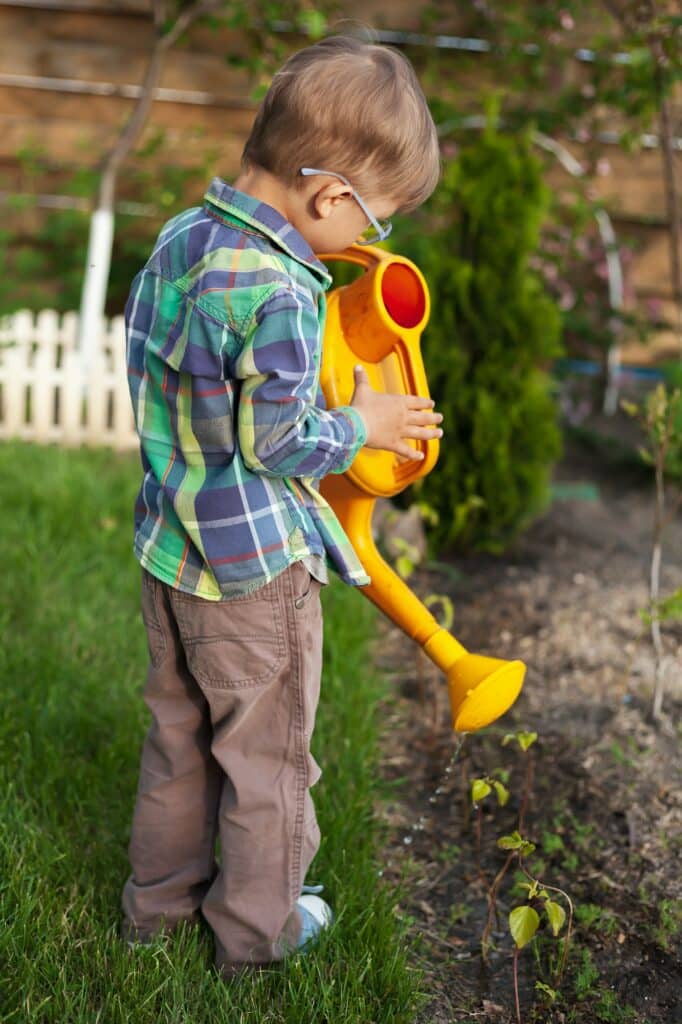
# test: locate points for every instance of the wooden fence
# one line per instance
(46, 394)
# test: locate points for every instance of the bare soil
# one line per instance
(605, 803)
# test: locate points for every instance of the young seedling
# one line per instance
(661, 419)
(524, 740)
(524, 920)
(480, 789)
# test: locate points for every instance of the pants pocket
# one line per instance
(305, 587)
(232, 644)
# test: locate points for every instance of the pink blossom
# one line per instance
(566, 20)
(567, 299)
(588, 91)
(603, 166)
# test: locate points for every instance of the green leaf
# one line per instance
(556, 914)
(526, 739)
(523, 924)
(670, 607)
(479, 790)
(512, 842)
(314, 23)
(404, 566)
(631, 408)
(447, 608)
(502, 793)
(551, 993)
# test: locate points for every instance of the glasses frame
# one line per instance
(381, 229)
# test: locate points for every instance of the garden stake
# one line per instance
(377, 321)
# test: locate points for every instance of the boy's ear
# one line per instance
(327, 197)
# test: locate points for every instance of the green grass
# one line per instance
(72, 664)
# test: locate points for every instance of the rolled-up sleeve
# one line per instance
(282, 429)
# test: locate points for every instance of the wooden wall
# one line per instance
(98, 49)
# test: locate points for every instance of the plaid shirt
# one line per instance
(224, 337)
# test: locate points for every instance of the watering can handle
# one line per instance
(361, 255)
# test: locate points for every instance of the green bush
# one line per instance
(493, 332)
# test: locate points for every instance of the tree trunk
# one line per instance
(101, 237)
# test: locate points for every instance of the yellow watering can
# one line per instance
(377, 321)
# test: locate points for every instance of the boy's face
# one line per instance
(329, 217)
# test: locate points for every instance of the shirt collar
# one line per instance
(268, 221)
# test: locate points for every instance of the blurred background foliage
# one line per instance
(493, 334)
(516, 268)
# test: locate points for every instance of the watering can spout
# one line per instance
(480, 688)
(377, 321)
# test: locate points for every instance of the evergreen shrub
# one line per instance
(493, 334)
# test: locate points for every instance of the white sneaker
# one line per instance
(315, 914)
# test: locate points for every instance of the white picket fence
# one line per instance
(46, 394)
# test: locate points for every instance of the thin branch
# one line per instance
(162, 43)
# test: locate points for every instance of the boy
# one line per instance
(224, 328)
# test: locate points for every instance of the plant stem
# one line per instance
(516, 985)
(479, 826)
(654, 581)
(492, 901)
(527, 787)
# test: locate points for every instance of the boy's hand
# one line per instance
(392, 419)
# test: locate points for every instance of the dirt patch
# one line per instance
(605, 808)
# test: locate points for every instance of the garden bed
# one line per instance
(605, 810)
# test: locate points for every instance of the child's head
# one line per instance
(354, 109)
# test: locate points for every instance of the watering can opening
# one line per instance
(403, 294)
(482, 689)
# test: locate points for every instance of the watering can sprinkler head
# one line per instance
(377, 321)
(480, 688)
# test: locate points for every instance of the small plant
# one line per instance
(669, 922)
(661, 420)
(525, 919)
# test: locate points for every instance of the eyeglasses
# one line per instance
(379, 230)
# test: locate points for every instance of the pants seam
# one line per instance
(301, 771)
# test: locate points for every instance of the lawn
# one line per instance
(72, 663)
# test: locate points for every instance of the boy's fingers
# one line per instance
(408, 452)
(423, 419)
(417, 402)
(424, 433)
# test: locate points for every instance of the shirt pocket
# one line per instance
(232, 644)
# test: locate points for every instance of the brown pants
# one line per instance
(233, 688)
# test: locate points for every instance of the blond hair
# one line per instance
(353, 107)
